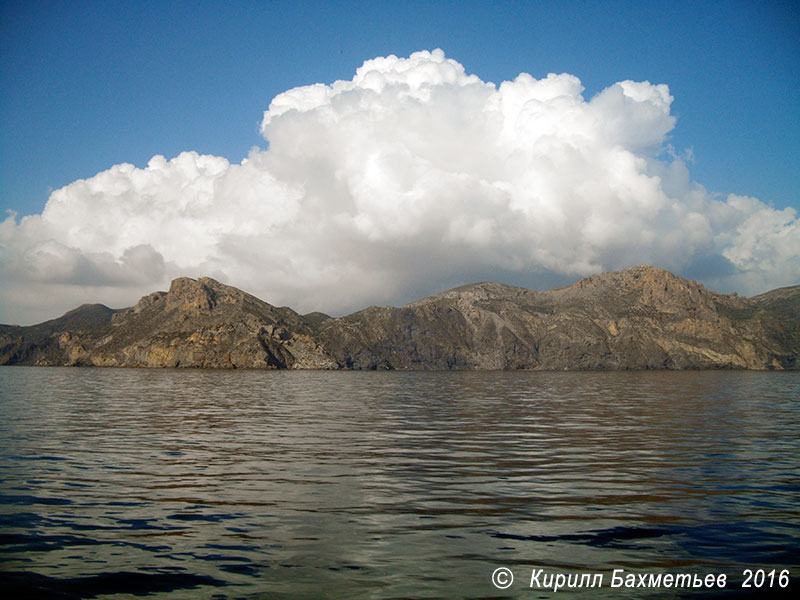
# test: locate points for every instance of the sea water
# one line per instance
(290, 484)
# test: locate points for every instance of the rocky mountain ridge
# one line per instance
(639, 318)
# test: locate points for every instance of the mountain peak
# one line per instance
(191, 295)
(484, 290)
(639, 318)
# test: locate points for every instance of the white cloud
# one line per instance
(410, 177)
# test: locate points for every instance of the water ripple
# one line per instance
(188, 484)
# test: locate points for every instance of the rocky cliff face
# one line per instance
(639, 318)
(199, 323)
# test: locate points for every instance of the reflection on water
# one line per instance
(388, 485)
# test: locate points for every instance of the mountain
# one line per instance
(200, 323)
(639, 318)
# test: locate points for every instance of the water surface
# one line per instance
(225, 484)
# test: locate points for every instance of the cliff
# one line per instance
(200, 323)
(639, 318)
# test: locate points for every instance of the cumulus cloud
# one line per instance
(411, 177)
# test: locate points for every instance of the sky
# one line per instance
(525, 142)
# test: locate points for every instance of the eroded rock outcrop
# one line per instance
(639, 318)
(198, 323)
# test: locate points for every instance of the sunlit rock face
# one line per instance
(198, 323)
(639, 318)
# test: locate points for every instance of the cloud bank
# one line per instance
(412, 177)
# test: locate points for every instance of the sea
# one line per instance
(185, 484)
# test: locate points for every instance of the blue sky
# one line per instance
(87, 85)
(412, 174)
